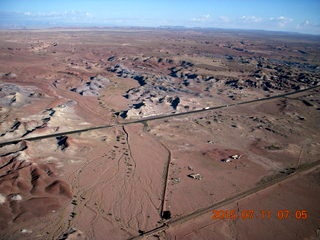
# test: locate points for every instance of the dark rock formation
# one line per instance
(62, 142)
(140, 80)
(174, 102)
(232, 83)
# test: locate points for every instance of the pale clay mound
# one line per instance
(123, 181)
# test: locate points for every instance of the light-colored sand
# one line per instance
(111, 183)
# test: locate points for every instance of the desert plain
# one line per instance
(142, 133)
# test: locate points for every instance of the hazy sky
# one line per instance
(280, 15)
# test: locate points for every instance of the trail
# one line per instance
(165, 178)
(237, 197)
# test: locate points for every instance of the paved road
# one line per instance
(205, 210)
(310, 167)
(152, 118)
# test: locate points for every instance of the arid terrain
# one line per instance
(149, 133)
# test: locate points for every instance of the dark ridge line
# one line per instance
(232, 199)
(152, 118)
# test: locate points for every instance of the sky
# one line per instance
(301, 16)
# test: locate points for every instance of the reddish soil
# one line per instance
(141, 179)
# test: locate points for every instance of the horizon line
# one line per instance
(168, 27)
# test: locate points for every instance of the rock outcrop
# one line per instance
(92, 87)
